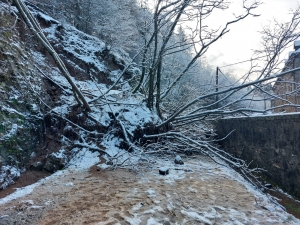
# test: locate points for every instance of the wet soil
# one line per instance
(27, 178)
(191, 194)
(291, 205)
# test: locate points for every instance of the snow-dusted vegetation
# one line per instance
(121, 89)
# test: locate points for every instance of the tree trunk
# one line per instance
(35, 28)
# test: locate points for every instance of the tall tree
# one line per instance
(169, 16)
(36, 29)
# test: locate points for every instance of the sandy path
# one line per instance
(200, 192)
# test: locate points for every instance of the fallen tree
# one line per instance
(34, 26)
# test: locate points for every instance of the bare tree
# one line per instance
(115, 22)
(167, 16)
(172, 54)
(174, 42)
(78, 13)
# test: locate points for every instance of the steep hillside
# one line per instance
(21, 115)
(42, 126)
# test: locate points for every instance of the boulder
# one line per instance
(188, 152)
(164, 171)
(37, 166)
(54, 163)
(269, 186)
(178, 160)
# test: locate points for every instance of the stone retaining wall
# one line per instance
(271, 142)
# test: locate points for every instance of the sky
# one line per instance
(236, 45)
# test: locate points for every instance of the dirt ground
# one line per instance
(199, 192)
(29, 177)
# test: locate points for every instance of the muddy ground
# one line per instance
(199, 192)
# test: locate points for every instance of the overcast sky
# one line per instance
(237, 44)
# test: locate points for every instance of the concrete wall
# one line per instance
(272, 142)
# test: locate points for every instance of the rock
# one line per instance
(102, 167)
(188, 152)
(110, 163)
(164, 171)
(54, 162)
(37, 166)
(178, 160)
(268, 186)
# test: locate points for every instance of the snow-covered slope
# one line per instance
(63, 125)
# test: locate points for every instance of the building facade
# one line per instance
(287, 88)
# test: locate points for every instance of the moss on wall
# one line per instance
(269, 142)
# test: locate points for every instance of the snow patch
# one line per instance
(103, 166)
(84, 47)
(111, 143)
(152, 221)
(153, 210)
(196, 216)
(8, 175)
(11, 133)
(50, 32)
(83, 159)
(69, 184)
(60, 154)
(151, 193)
(138, 116)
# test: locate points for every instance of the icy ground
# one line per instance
(198, 192)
